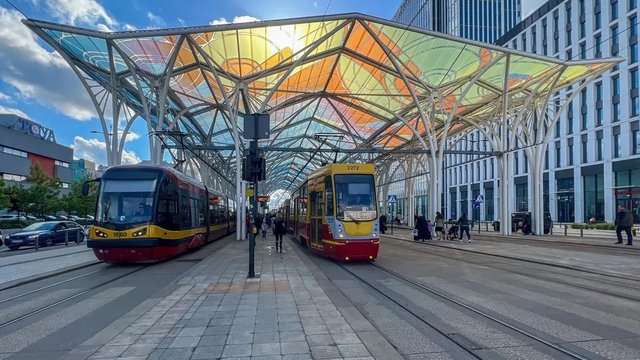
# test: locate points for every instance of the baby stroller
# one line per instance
(453, 232)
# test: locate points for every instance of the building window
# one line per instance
(16, 152)
(565, 199)
(633, 53)
(616, 145)
(569, 54)
(615, 89)
(635, 101)
(544, 36)
(546, 159)
(614, 10)
(585, 152)
(615, 40)
(583, 51)
(636, 142)
(594, 197)
(570, 120)
(599, 114)
(598, 48)
(633, 25)
(599, 149)
(597, 22)
(61, 163)
(516, 160)
(522, 197)
(524, 42)
(488, 200)
(13, 177)
(583, 106)
(570, 154)
(557, 157)
(633, 4)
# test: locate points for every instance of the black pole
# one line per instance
(253, 153)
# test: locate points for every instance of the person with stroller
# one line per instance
(453, 232)
(464, 227)
(421, 229)
(439, 223)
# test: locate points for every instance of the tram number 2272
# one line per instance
(353, 168)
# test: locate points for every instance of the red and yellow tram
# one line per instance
(335, 213)
(151, 213)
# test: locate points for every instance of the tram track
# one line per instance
(66, 298)
(454, 337)
(509, 268)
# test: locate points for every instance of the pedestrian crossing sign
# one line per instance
(479, 199)
(392, 199)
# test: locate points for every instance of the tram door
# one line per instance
(316, 219)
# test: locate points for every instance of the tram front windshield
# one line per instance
(355, 197)
(126, 202)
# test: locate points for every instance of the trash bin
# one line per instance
(496, 226)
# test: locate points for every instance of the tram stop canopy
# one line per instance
(378, 84)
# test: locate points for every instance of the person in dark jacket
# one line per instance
(422, 227)
(279, 231)
(383, 223)
(624, 222)
(464, 226)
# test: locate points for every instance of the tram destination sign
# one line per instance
(263, 198)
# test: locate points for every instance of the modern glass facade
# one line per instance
(470, 19)
(599, 129)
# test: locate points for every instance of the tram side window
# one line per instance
(185, 212)
(167, 213)
(328, 188)
(193, 207)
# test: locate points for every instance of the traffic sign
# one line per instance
(249, 192)
(480, 199)
(391, 199)
(263, 198)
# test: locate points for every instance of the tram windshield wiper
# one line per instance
(352, 218)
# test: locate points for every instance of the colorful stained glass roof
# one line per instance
(378, 83)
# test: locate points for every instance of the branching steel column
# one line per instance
(503, 161)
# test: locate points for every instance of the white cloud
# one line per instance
(156, 20)
(39, 74)
(237, 19)
(8, 110)
(103, 27)
(130, 27)
(181, 21)
(4, 97)
(131, 136)
(87, 12)
(95, 150)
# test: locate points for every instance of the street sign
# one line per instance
(249, 192)
(480, 199)
(391, 199)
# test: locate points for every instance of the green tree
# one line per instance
(75, 203)
(41, 197)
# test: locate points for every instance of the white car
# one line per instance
(12, 217)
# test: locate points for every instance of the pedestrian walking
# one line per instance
(279, 231)
(264, 230)
(429, 229)
(624, 222)
(464, 226)
(383, 223)
(439, 222)
(422, 228)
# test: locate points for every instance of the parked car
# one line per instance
(50, 218)
(90, 217)
(46, 233)
(75, 218)
(62, 217)
(1, 237)
(12, 217)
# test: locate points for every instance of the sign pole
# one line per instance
(253, 149)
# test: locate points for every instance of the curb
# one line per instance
(19, 282)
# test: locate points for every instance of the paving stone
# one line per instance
(353, 350)
(315, 330)
(242, 329)
(212, 340)
(265, 349)
(166, 342)
(217, 330)
(294, 326)
(288, 318)
(266, 327)
(110, 351)
(139, 350)
(325, 352)
(176, 354)
(320, 340)
(185, 342)
(233, 350)
(240, 339)
(346, 338)
(266, 337)
(294, 347)
(207, 352)
(297, 357)
(192, 331)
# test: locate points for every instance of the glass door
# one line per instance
(316, 219)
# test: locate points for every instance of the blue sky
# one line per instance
(36, 83)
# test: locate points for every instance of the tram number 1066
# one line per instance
(353, 167)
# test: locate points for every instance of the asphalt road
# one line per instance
(54, 318)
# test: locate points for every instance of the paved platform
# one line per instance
(621, 260)
(216, 312)
(37, 263)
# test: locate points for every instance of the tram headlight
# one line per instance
(140, 232)
(100, 234)
(340, 230)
